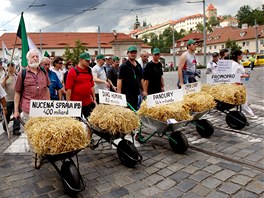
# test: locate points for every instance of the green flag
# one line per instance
(22, 34)
(46, 54)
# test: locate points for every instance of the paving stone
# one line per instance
(139, 175)
(244, 152)
(230, 166)
(43, 190)
(190, 169)
(150, 191)
(172, 193)
(185, 185)
(123, 181)
(153, 179)
(245, 194)
(213, 160)
(136, 186)
(256, 187)
(104, 187)
(200, 164)
(249, 173)
(199, 176)
(166, 184)
(211, 183)
(241, 179)
(160, 165)
(119, 192)
(212, 169)
(224, 174)
(10, 192)
(254, 157)
(200, 190)
(229, 188)
(165, 172)
(186, 160)
(175, 167)
(215, 194)
(179, 176)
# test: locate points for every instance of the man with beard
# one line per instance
(33, 86)
(152, 75)
(130, 78)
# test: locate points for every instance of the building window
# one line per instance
(95, 52)
(261, 42)
(223, 46)
(214, 46)
(210, 47)
(243, 44)
(247, 43)
(53, 54)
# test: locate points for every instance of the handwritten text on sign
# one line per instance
(192, 87)
(224, 66)
(164, 97)
(55, 108)
(223, 78)
(113, 98)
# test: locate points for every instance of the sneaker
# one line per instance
(254, 117)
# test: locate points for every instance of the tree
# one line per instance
(231, 44)
(248, 15)
(74, 53)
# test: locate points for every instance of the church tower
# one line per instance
(136, 24)
(211, 11)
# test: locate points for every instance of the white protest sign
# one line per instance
(191, 87)
(224, 66)
(223, 78)
(55, 108)
(112, 98)
(165, 97)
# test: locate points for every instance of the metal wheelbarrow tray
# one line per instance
(178, 142)
(126, 150)
(235, 119)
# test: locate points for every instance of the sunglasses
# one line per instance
(70, 64)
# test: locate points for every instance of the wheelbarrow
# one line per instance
(178, 141)
(68, 171)
(126, 150)
(235, 119)
(203, 126)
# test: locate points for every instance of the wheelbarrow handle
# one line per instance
(21, 121)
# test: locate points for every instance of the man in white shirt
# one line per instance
(212, 65)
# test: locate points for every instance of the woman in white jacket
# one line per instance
(237, 68)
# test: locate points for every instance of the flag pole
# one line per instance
(13, 49)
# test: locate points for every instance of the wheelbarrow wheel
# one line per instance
(204, 128)
(178, 142)
(71, 175)
(127, 153)
(236, 120)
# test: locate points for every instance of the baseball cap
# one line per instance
(85, 56)
(100, 56)
(116, 58)
(156, 51)
(191, 41)
(132, 48)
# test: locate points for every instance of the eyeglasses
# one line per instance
(70, 64)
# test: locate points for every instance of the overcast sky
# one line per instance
(110, 15)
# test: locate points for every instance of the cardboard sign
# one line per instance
(224, 66)
(164, 97)
(223, 78)
(112, 98)
(55, 108)
(191, 87)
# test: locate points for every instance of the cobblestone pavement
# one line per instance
(228, 164)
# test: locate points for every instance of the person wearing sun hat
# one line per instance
(187, 64)
(152, 74)
(130, 78)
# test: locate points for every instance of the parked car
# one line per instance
(245, 62)
(259, 59)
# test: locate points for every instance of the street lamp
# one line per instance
(204, 29)
(173, 42)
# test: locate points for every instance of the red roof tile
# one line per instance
(56, 40)
(210, 7)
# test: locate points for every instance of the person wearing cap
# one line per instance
(35, 85)
(108, 63)
(93, 63)
(99, 76)
(112, 74)
(130, 78)
(8, 82)
(152, 74)
(212, 65)
(2, 69)
(80, 85)
(187, 64)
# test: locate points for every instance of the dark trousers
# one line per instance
(97, 98)
(251, 65)
(86, 110)
(10, 109)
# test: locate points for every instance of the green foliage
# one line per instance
(231, 44)
(74, 53)
(248, 15)
(163, 41)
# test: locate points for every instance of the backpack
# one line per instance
(89, 72)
